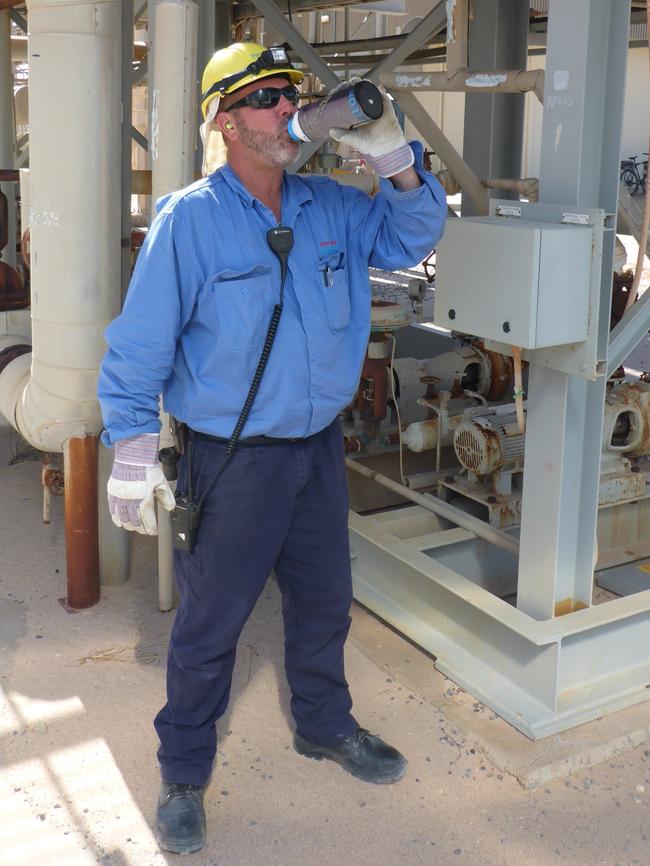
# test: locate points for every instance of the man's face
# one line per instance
(264, 130)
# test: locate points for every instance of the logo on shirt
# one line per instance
(327, 243)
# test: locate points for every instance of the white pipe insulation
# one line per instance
(75, 122)
(7, 131)
(172, 142)
(172, 137)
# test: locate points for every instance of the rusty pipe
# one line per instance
(466, 81)
(528, 187)
(80, 508)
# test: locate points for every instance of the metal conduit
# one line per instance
(442, 509)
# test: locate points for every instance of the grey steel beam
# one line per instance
(127, 128)
(22, 160)
(585, 75)
(430, 25)
(277, 20)
(494, 124)
(367, 61)
(139, 138)
(542, 677)
(19, 20)
(138, 12)
(151, 86)
(215, 31)
(629, 332)
(248, 10)
(222, 23)
(543, 673)
(381, 43)
(443, 148)
(141, 72)
(313, 60)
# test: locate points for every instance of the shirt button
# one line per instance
(244, 291)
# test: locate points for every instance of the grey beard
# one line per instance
(267, 145)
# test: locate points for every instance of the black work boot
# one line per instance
(180, 818)
(363, 754)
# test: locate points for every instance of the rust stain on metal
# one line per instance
(481, 455)
(507, 514)
(568, 605)
(52, 477)
(352, 444)
(387, 316)
(501, 373)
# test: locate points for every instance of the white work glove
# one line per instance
(381, 142)
(136, 480)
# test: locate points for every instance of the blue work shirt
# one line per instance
(203, 292)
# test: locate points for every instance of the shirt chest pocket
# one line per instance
(336, 291)
(242, 303)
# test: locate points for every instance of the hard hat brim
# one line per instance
(295, 76)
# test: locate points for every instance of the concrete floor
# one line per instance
(79, 777)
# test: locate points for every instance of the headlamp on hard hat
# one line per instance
(269, 59)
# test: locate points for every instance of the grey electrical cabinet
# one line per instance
(515, 281)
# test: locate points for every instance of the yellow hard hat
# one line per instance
(239, 64)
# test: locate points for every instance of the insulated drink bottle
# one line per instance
(344, 108)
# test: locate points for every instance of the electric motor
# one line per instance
(626, 427)
(488, 443)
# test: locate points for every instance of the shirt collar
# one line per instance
(294, 191)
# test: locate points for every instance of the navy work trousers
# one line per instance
(281, 507)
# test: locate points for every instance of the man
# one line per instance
(193, 327)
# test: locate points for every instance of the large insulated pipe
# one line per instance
(7, 132)
(172, 138)
(172, 144)
(74, 69)
(74, 74)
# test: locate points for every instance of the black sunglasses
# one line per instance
(267, 97)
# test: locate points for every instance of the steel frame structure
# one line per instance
(555, 660)
(442, 585)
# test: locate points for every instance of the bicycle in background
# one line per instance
(634, 173)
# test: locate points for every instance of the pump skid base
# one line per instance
(542, 677)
